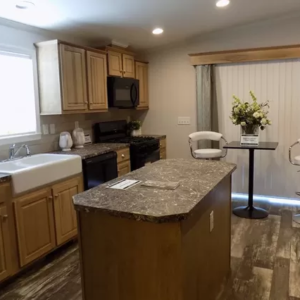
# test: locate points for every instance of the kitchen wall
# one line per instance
(172, 82)
(22, 36)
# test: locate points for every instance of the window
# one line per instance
(19, 119)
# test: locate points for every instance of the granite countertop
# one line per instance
(94, 149)
(197, 178)
(4, 178)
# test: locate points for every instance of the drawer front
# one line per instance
(163, 143)
(163, 154)
(124, 168)
(5, 193)
(123, 155)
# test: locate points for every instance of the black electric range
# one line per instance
(143, 149)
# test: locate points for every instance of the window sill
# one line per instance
(20, 138)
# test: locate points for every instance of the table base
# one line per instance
(248, 212)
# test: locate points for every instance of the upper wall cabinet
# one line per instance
(120, 62)
(141, 71)
(72, 78)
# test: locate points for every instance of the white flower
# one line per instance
(256, 115)
(236, 110)
(263, 121)
(243, 123)
(234, 121)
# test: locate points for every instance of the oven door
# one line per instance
(123, 92)
(139, 161)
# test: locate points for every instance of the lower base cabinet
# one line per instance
(46, 219)
(64, 212)
(124, 168)
(35, 225)
(4, 244)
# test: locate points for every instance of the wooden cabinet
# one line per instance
(73, 78)
(115, 64)
(5, 250)
(35, 225)
(97, 81)
(120, 62)
(141, 73)
(124, 168)
(64, 212)
(123, 159)
(128, 66)
(163, 148)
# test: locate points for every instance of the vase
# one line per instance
(250, 135)
(137, 132)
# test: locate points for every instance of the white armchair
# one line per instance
(295, 162)
(207, 153)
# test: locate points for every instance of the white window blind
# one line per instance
(18, 111)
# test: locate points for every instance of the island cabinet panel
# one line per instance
(73, 84)
(5, 249)
(35, 225)
(206, 252)
(97, 81)
(143, 258)
(64, 212)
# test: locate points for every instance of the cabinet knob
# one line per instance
(4, 217)
(50, 198)
(123, 155)
(56, 196)
(86, 102)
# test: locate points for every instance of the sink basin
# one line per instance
(37, 170)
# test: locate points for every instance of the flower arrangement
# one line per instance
(250, 115)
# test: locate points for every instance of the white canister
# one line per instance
(65, 141)
(78, 138)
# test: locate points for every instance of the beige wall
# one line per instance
(172, 78)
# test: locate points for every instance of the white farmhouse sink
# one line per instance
(34, 171)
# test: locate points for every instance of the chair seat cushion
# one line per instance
(208, 153)
(297, 160)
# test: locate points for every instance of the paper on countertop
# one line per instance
(124, 184)
(168, 185)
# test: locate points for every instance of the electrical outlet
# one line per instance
(45, 129)
(184, 120)
(76, 124)
(211, 221)
(52, 128)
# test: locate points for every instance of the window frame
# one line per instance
(19, 138)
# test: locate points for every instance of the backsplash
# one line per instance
(49, 143)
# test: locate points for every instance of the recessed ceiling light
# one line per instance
(157, 31)
(222, 3)
(23, 4)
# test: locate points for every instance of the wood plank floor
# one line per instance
(265, 264)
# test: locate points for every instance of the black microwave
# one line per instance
(123, 92)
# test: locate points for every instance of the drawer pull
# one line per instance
(123, 155)
(4, 217)
(56, 196)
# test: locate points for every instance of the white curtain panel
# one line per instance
(279, 82)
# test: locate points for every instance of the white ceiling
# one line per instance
(131, 21)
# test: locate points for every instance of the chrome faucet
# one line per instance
(13, 153)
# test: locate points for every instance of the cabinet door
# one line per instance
(4, 244)
(73, 78)
(35, 225)
(115, 67)
(128, 66)
(124, 168)
(141, 71)
(97, 80)
(65, 215)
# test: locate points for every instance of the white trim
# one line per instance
(20, 138)
(30, 54)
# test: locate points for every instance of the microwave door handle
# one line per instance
(131, 97)
(136, 94)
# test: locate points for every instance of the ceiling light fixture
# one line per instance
(222, 3)
(23, 4)
(157, 31)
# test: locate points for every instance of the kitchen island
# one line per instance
(147, 243)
